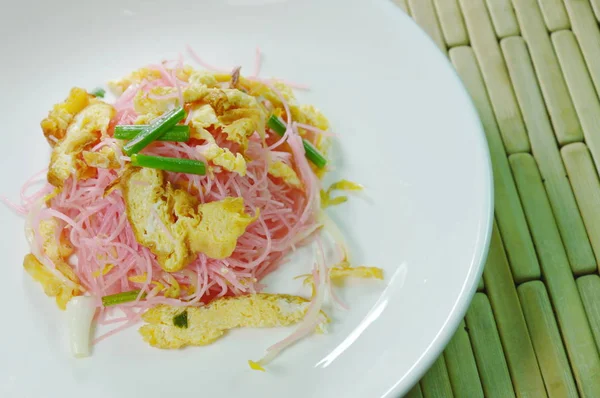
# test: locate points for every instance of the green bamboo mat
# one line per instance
(532, 68)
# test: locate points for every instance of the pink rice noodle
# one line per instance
(104, 244)
(257, 63)
(204, 64)
(315, 130)
(257, 67)
(313, 317)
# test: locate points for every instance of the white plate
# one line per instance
(407, 131)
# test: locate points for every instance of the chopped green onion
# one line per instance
(181, 320)
(178, 133)
(98, 92)
(276, 125)
(312, 153)
(154, 130)
(177, 165)
(120, 298)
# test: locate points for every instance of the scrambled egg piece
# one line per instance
(237, 113)
(172, 224)
(149, 108)
(105, 158)
(141, 278)
(174, 290)
(308, 114)
(184, 73)
(86, 128)
(146, 74)
(240, 114)
(176, 327)
(203, 77)
(61, 115)
(287, 92)
(327, 201)
(341, 185)
(338, 273)
(199, 83)
(225, 158)
(222, 223)
(138, 76)
(53, 246)
(259, 89)
(107, 268)
(56, 248)
(231, 98)
(282, 170)
(343, 271)
(202, 118)
(53, 286)
(157, 286)
(240, 124)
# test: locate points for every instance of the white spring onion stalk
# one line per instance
(80, 312)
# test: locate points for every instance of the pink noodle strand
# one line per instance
(204, 64)
(257, 63)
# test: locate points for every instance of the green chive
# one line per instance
(154, 130)
(177, 165)
(312, 153)
(98, 92)
(178, 133)
(276, 125)
(181, 320)
(120, 298)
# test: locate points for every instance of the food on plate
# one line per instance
(169, 204)
(171, 327)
